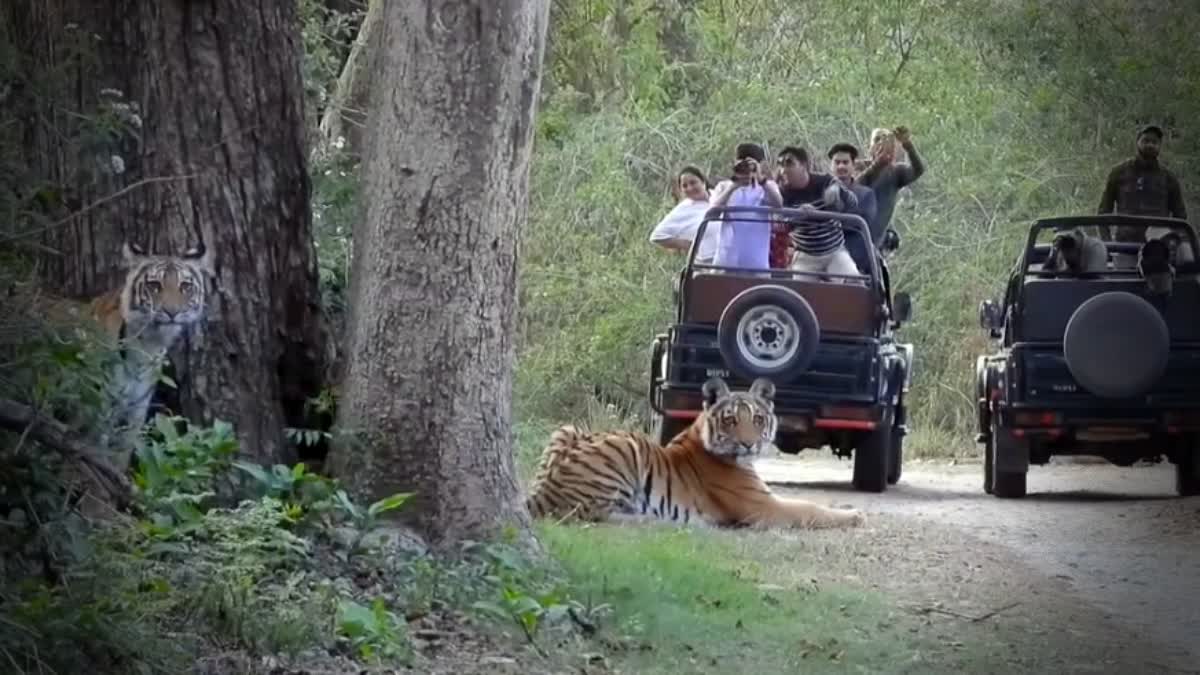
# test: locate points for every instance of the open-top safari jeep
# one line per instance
(1099, 364)
(826, 341)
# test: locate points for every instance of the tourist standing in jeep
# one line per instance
(842, 157)
(1142, 186)
(886, 177)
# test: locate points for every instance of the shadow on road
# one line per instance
(943, 493)
(1089, 496)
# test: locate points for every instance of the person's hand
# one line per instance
(902, 135)
(755, 172)
(762, 172)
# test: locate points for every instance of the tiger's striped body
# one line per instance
(704, 475)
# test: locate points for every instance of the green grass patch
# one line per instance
(697, 602)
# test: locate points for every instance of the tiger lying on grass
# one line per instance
(704, 474)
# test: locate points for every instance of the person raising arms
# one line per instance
(886, 177)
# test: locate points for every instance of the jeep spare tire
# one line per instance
(1116, 345)
(768, 331)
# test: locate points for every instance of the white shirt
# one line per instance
(683, 222)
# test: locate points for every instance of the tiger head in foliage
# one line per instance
(162, 294)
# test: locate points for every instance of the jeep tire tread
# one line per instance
(1187, 472)
(871, 457)
(895, 457)
(1005, 484)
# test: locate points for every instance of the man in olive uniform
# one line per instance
(1141, 186)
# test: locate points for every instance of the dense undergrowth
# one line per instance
(239, 567)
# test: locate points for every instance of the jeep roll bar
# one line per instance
(773, 214)
(1061, 223)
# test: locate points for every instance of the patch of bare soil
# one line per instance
(1096, 570)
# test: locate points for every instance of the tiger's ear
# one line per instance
(201, 256)
(131, 253)
(763, 388)
(714, 389)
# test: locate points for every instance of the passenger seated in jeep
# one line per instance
(1155, 266)
(1076, 252)
(678, 228)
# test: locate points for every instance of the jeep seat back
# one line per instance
(1050, 302)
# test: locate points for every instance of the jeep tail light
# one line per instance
(1036, 419)
(847, 413)
(1182, 419)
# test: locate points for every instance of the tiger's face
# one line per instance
(738, 425)
(165, 293)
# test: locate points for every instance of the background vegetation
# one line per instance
(1018, 108)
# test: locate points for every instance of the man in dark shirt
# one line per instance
(798, 183)
(823, 239)
(1142, 186)
(841, 162)
(886, 177)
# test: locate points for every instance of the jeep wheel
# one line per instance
(1005, 484)
(768, 331)
(1187, 472)
(788, 442)
(895, 457)
(668, 428)
(987, 466)
(1116, 345)
(871, 457)
(896, 451)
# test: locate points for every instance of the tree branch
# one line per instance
(99, 202)
(55, 435)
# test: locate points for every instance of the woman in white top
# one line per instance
(677, 230)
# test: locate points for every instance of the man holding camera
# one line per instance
(746, 244)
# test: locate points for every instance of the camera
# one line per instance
(744, 165)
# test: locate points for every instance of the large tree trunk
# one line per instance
(428, 392)
(220, 158)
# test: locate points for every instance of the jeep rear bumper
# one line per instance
(796, 413)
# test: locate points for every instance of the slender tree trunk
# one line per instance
(218, 156)
(345, 119)
(427, 402)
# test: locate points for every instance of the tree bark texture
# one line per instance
(427, 402)
(219, 157)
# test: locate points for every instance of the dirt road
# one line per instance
(1097, 556)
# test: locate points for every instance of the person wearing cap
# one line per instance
(841, 163)
(1141, 186)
